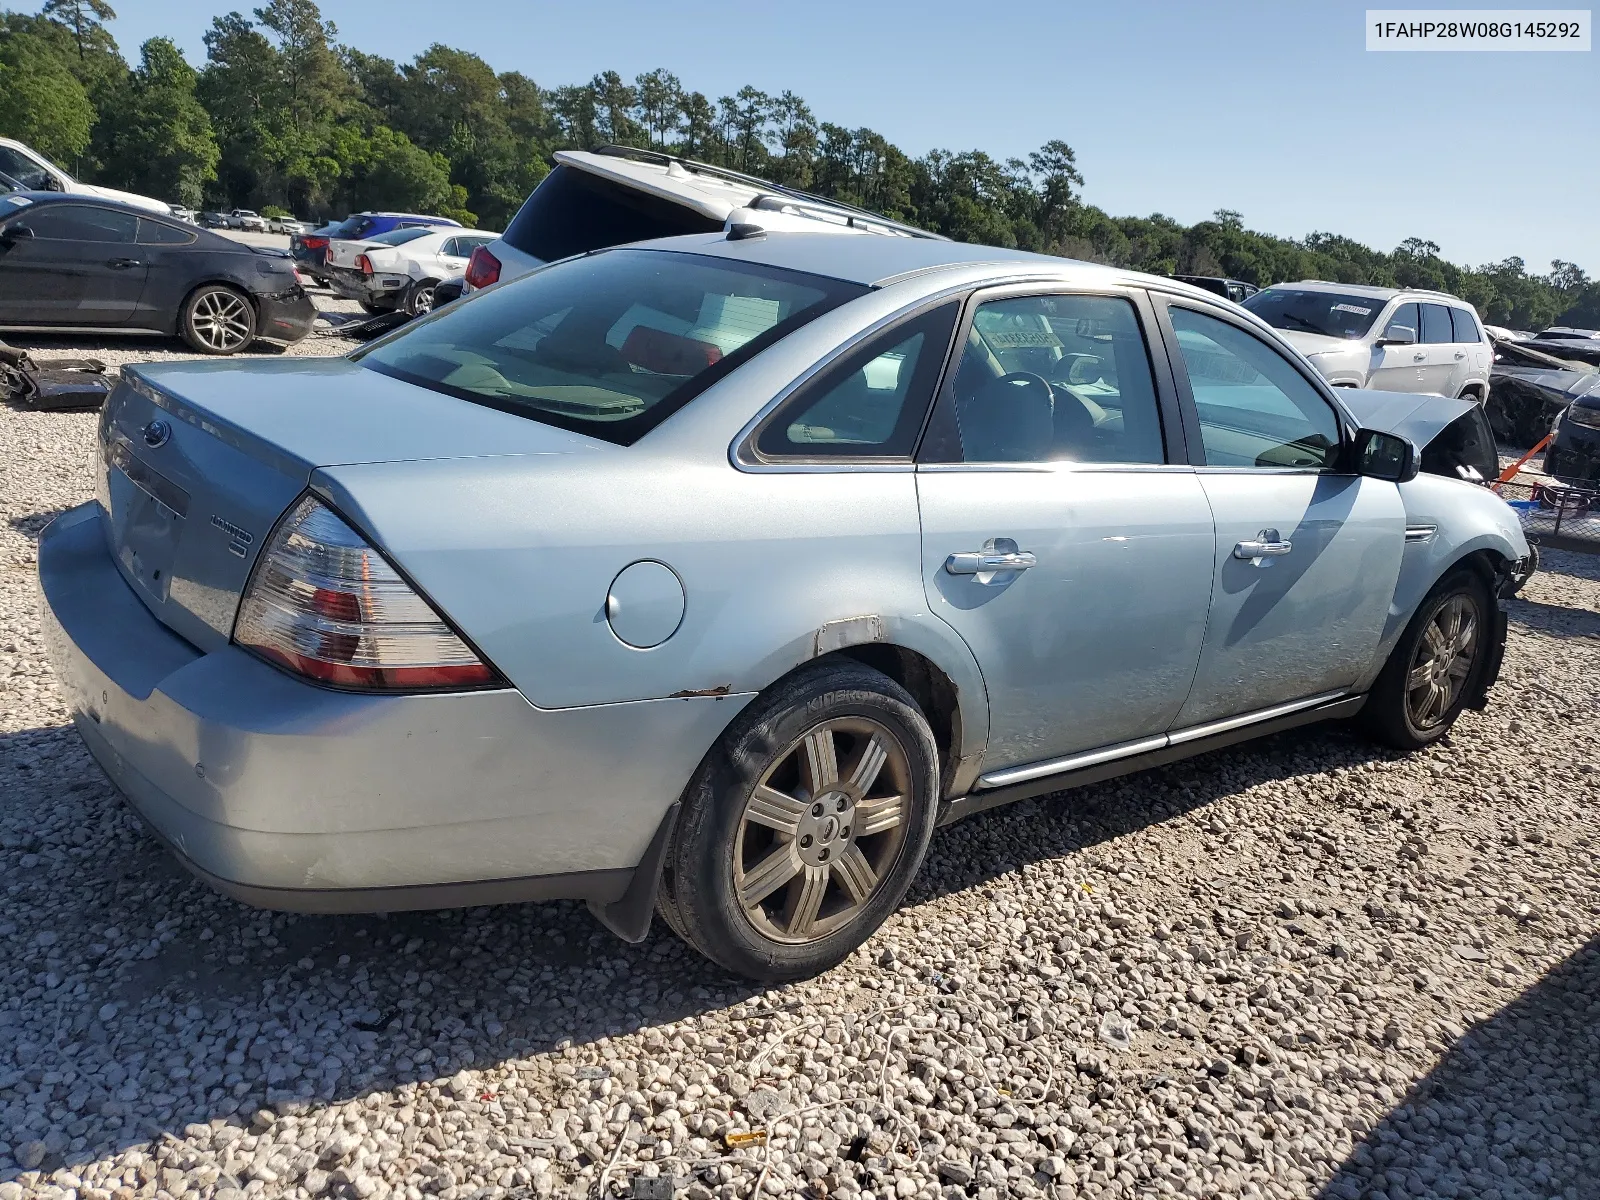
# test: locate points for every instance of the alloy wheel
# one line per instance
(822, 829)
(222, 320)
(1441, 662)
(422, 301)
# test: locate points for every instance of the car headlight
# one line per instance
(1589, 418)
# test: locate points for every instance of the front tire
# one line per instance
(1431, 671)
(217, 319)
(805, 825)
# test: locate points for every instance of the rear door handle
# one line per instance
(1264, 546)
(122, 264)
(998, 556)
(1419, 356)
(1460, 354)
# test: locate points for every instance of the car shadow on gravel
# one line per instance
(1556, 620)
(1513, 1109)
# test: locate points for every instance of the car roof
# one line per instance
(1364, 289)
(82, 198)
(876, 261)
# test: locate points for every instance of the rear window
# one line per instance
(573, 212)
(609, 344)
(399, 237)
(340, 229)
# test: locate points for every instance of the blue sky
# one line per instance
(1276, 110)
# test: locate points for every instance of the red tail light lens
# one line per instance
(324, 604)
(363, 264)
(314, 243)
(483, 268)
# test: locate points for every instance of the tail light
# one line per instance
(483, 268)
(363, 264)
(324, 604)
(315, 243)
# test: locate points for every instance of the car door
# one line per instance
(81, 266)
(1442, 366)
(1307, 556)
(1398, 355)
(451, 259)
(1471, 352)
(1064, 535)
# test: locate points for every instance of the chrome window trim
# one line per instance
(742, 454)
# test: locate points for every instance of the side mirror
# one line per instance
(1384, 456)
(16, 232)
(1398, 335)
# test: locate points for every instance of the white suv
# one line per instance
(1390, 339)
(616, 194)
(36, 173)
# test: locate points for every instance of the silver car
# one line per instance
(709, 575)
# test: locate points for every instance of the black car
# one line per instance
(1530, 385)
(1236, 290)
(79, 262)
(1573, 455)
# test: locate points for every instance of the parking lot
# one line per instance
(1301, 967)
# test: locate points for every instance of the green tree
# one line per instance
(41, 101)
(163, 143)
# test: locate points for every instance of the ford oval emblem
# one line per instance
(156, 434)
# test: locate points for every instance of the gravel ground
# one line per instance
(1301, 967)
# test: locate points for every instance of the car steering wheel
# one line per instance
(1031, 380)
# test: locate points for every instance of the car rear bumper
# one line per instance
(291, 796)
(285, 316)
(384, 291)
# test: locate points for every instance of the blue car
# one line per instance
(708, 575)
(310, 250)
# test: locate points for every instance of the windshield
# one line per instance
(1331, 314)
(573, 211)
(610, 344)
(399, 237)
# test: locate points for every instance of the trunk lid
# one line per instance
(198, 460)
(342, 253)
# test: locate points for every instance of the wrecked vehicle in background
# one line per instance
(1530, 386)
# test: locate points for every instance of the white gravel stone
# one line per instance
(1327, 970)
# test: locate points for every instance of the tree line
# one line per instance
(282, 115)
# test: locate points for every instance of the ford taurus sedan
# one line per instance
(709, 575)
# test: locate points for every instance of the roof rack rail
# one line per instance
(766, 189)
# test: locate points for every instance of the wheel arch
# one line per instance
(216, 281)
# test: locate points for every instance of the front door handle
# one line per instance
(122, 264)
(1419, 356)
(1265, 546)
(998, 556)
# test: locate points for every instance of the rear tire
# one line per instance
(1433, 668)
(217, 319)
(419, 299)
(804, 826)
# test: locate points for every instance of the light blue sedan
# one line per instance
(708, 576)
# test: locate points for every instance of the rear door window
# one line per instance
(1436, 329)
(611, 344)
(82, 223)
(573, 211)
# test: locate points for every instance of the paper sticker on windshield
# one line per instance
(1019, 339)
(1353, 308)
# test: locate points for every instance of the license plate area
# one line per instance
(148, 513)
